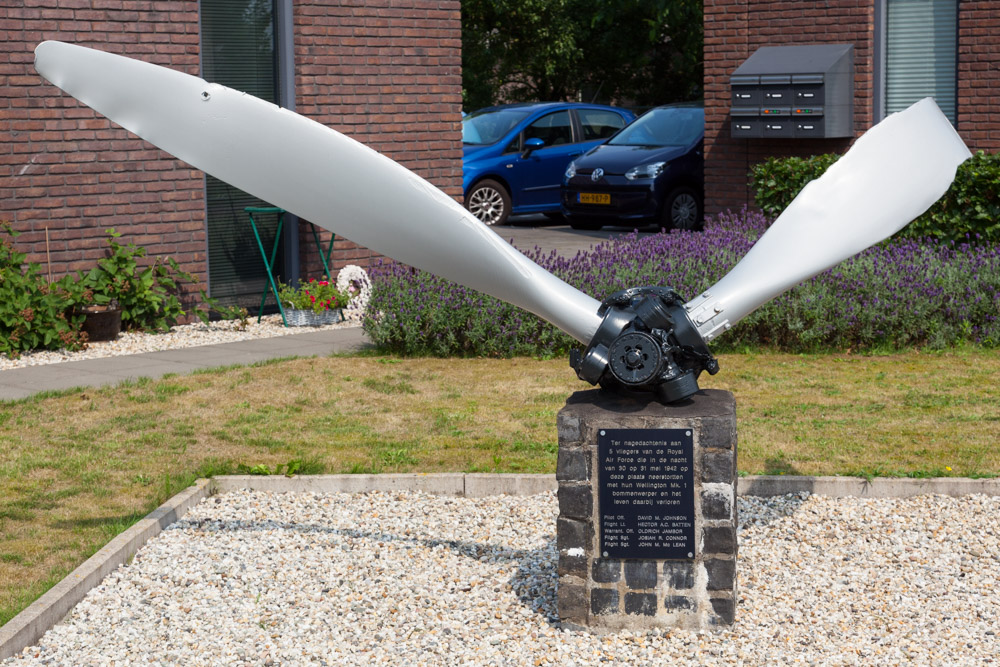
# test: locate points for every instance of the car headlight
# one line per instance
(570, 171)
(651, 170)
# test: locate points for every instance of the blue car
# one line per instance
(514, 155)
(651, 172)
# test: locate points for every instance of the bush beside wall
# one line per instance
(968, 211)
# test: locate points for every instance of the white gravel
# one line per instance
(411, 579)
(188, 335)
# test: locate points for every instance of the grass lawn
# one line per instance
(78, 467)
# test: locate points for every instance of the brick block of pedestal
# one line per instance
(605, 594)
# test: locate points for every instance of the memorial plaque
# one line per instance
(646, 493)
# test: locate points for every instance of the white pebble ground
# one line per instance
(412, 579)
(181, 336)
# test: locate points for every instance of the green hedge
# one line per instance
(777, 181)
(970, 207)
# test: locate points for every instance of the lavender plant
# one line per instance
(901, 293)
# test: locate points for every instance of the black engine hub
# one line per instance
(646, 342)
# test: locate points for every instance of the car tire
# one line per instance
(682, 209)
(489, 202)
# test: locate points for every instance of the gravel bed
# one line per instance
(411, 579)
(187, 335)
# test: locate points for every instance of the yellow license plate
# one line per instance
(595, 198)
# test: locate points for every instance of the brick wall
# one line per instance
(386, 72)
(734, 29)
(979, 74)
(389, 74)
(69, 170)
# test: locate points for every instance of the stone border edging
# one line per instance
(878, 487)
(28, 626)
(470, 485)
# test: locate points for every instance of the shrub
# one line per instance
(902, 293)
(776, 181)
(149, 297)
(968, 211)
(33, 314)
(970, 208)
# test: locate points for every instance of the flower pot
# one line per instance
(101, 322)
(309, 318)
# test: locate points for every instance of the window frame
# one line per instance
(879, 59)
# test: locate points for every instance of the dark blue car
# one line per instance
(515, 154)
(651, 172)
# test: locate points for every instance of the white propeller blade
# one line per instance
(891, 175)
(315, 173)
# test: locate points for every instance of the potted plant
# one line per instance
(313, 303)
(99, 315)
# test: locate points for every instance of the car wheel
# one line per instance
(489, 201)
(682, 210)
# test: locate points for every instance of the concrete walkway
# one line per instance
(565, 241)
(23, 382)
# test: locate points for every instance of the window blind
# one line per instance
(920, 53)
(238, 50)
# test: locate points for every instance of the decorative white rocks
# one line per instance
(409, 578)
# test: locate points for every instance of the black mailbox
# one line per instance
(794, 92)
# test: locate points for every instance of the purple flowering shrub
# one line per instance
(900, 293)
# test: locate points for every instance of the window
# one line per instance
(239, 51)
(554, 129)
(917, 53)
(599, 124)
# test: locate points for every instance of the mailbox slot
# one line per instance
(746, 91)
(776, 90)
(806, 128)
(807, 89)
(778, 128)
(747, 123)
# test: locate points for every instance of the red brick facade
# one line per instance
(68, 170)
(387, 73)
(734, 29)
(979, 73)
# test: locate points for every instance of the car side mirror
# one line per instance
(532, 145)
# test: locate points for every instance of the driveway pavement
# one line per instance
(562, 238)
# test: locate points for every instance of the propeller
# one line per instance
(650, 340)
(641, 338)
(314, 172)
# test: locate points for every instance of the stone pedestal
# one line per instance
(694, 592)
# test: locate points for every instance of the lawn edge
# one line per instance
(28, 626)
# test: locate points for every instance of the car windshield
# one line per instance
(488, 126)
(672, 126)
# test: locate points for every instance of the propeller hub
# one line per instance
(646, 343)
(635, 358)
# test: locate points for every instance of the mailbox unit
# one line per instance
(794, 92)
